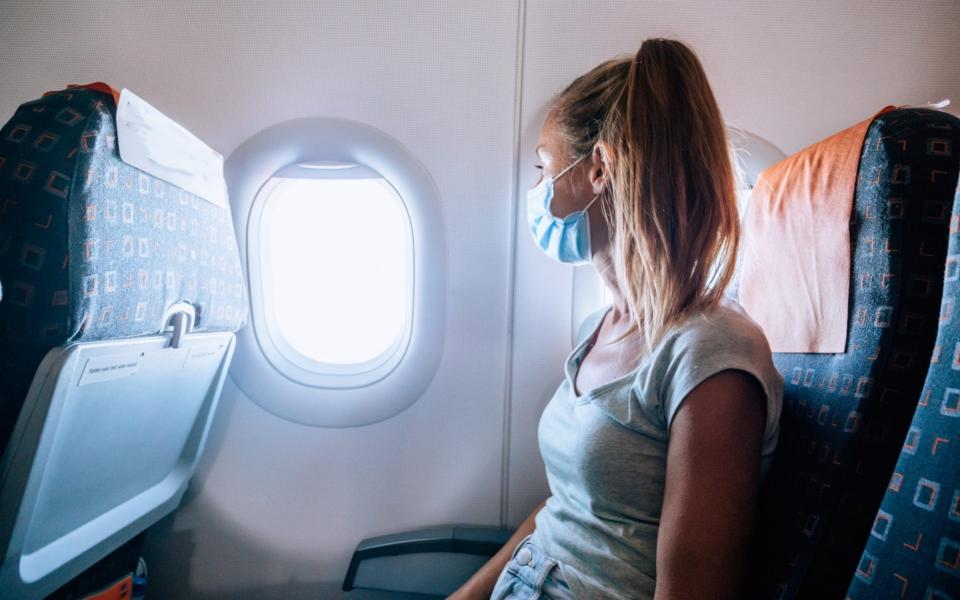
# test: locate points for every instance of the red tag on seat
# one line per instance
(121, 590)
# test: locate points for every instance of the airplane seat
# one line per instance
(845, 415)
(913, 548)
(122, 290)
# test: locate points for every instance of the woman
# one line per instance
(666, 421)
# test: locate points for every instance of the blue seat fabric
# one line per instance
(94, 249)
(845, 415)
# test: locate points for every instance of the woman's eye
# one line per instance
(539, 167)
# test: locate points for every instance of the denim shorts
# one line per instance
(531, 575)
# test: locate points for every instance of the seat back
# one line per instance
(913, 550)
(845, 415)
(121, 293)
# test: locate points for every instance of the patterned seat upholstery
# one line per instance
(913, 550)
(845, 416)
(92, 248)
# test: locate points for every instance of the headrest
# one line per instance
(92, 247)
(795, 275)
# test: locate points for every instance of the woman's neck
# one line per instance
(604, 267)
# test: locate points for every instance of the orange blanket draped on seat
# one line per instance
(795, 275)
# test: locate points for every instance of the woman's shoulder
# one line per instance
(708, 342)
(725, 327)
(727, 317)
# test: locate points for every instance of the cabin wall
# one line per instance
(277, 508)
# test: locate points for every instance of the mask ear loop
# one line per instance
(553, 181)
(568, 167)
(587, 207)
(594, 199)
(603, 210)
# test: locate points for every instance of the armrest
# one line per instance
(434, 561)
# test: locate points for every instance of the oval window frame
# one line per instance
(260, 368)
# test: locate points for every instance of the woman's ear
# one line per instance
(601, 169)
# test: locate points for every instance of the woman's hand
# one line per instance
(483, 582)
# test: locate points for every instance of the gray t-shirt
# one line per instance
(605, 451)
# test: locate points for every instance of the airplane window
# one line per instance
(341, 234)
(336, 252)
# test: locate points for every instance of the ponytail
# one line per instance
(674, 222)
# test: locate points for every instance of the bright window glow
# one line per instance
(337, 267)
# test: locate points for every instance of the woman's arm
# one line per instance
(713, 474)
(481, 584)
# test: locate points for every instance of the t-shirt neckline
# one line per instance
(571, 371)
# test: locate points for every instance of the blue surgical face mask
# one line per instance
(566, 240)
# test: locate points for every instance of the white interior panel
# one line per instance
(277, 508)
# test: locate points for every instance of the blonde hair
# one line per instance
(674, 225)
